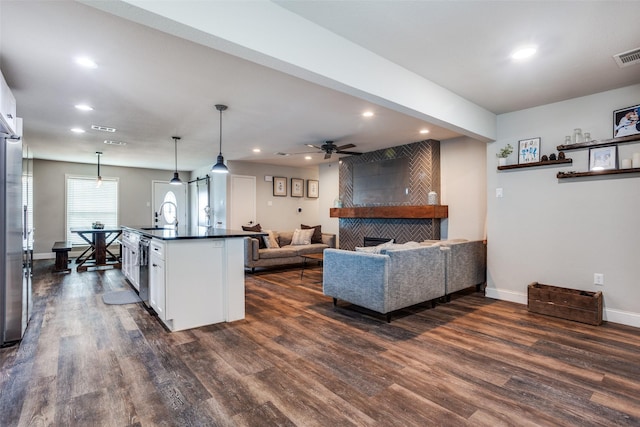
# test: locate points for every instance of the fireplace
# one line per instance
(375, 241)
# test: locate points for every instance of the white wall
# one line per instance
(463, 180)
(275, 212)
(329, 192)
(562, 232)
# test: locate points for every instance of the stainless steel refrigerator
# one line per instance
(15, 277)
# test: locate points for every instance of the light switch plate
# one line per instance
(499, 192)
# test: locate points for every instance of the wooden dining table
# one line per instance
(98, 253)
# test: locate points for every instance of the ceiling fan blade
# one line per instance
(327, 156)
(353, 153)
(314, 146)
(344, 147)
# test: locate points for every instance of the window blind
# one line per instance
(87, 204)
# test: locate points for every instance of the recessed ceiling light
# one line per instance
(77, 130)
(84, 107)
(85, 61)
(367, 114)
(307, 157)
(256, 150)
(423, 131)
(524, 52)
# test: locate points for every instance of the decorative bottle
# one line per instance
(577, 136)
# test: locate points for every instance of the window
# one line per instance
(87, 204)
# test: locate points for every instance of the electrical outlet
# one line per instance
(598, 279)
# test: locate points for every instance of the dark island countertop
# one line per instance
(186, 233)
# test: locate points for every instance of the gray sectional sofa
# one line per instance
(400, 276)
(286, 254)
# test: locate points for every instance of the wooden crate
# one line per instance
(570, 304)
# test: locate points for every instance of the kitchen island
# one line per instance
(195, 277)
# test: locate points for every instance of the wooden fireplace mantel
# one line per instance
(395, 212)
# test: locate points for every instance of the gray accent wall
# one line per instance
(49, 197)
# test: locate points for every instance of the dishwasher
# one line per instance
(143, 262)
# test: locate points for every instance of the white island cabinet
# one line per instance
(196, 282)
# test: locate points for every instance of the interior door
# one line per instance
(169, 204)
(242, 206)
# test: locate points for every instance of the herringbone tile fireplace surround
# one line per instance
(424, 176)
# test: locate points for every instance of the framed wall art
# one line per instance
(313, 188)
(279, 186)
(625, 121)
(297, 187)
(529, 150)
(603, 158)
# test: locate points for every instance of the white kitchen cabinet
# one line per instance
(196, 282)
(157, 278)
(129, 257)
(7, 108)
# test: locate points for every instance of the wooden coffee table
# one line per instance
(312, 257)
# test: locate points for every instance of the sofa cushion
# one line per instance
(314, 248)
(257, 228)
(271, 240)
(317, 233)
(284, 237)
(287, 251)
(302, 237)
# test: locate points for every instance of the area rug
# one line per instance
(121, 297)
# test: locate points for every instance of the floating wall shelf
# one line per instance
(536, 164)
(600, 143)
(402, 212)
(628, 172)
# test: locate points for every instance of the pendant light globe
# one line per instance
(220, 167)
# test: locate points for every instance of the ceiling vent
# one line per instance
(110, 142)
(625, 59)
(102, 128)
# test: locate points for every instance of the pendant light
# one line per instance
(99, 180)
(176, 179)
(219, 167)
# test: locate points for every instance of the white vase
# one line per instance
(502, 161)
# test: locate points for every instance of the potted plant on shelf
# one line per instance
(503, 153)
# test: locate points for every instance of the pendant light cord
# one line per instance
(220, 131)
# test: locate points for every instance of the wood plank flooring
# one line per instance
(297, 361)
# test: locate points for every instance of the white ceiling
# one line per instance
(150, 85)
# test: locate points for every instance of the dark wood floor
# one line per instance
(297, 361)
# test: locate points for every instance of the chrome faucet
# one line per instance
(167, 202)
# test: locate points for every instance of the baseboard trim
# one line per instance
(610, 315)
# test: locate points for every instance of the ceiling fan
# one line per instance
(329, 148)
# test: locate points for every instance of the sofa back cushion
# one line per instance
(284, 237)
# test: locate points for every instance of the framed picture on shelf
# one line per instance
(625, 121)
(528, 151)
(297, 187)
(603, 158)
(279, 186)
(313, 188)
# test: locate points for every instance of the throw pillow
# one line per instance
(252, 228)
(317, 232)
(302, 237)
(270, 241)
(258, 229)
